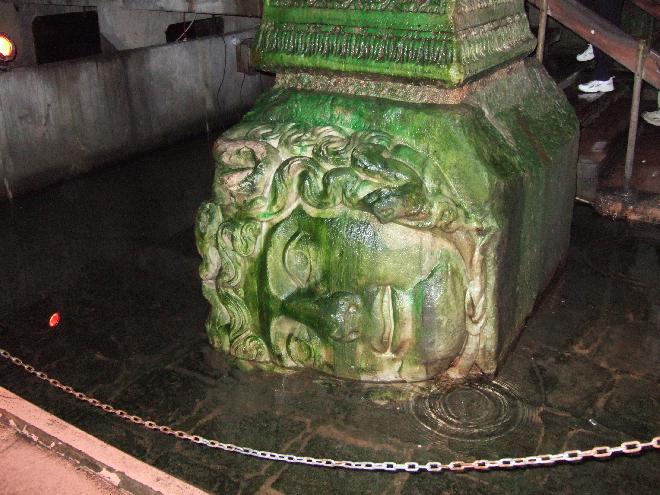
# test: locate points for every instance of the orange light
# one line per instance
(7, 48)
(54, 320)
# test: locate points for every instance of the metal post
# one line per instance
(543, 23)
(634, 116)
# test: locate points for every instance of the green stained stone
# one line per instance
(374, 227)
(445, 41)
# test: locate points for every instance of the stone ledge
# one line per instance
(248, 8)
(389, 88)
(107, 462)
(645, 208)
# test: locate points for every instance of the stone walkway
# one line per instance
(19, 457)
(114, 253)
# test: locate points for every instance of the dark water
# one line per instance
(114, 254)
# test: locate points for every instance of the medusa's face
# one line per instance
(361, 299)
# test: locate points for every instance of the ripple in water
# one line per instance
(474, 411)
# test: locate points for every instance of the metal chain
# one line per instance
(626, 448)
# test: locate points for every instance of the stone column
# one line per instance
(392, 208)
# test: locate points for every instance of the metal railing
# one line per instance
(633, 54)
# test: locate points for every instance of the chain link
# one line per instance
(570, 456)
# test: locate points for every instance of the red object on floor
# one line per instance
(54, 320)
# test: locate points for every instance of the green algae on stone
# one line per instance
(384, 240)
(392, 208)
(448, 41)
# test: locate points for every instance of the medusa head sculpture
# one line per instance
(341, 251)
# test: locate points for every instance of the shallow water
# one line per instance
(476, 412)
(113, 253)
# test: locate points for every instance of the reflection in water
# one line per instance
(122, 274)
(639, 270)
(476, 411)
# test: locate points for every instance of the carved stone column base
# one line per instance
(387, 231)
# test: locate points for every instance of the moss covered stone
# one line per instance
(448, 41)
(375, 228)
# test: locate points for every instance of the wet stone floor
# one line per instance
(114, 253)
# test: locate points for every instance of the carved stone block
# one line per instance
(382, 228)
(449, 41)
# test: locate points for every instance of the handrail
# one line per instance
(605, 35)
(649, 6)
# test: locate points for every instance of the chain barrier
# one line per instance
(570, 456)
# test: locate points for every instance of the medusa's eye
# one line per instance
(297, 258)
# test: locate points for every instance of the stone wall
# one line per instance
(65, 118)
